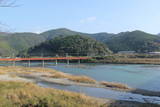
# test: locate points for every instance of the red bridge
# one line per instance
(42, 59)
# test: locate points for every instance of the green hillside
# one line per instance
(60, 32)
(73, 45)
(102, 37)
(17, 42)
(23, 41)
(134, 41)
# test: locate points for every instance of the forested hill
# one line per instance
(136, 41)
(13, 43)
(73, 45)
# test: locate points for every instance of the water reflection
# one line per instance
(136, 76)
(103, 93)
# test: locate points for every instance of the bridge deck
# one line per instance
(39, 59)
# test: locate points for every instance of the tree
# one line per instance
(7, 3)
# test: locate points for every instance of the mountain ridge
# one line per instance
(22, 41)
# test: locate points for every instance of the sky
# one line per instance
(90, 16)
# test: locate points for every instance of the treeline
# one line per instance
(75, 45)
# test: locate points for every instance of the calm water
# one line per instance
(136, 76)
(103, 93)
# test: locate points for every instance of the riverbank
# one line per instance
(36, 74)
(23, 94)
(50, 75)
(125, 59)
(33, 75)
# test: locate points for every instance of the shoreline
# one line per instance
(127, 61)
(49, 75)
(69, 83)
(18, 93)
(33, 75)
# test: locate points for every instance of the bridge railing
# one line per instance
(55, 55)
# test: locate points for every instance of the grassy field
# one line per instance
(21, 94)
(52, 73)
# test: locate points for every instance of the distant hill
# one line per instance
(73, 45)
(158, 34)
(17, 42)
(136, 41)
(60, 32)
(102, 37)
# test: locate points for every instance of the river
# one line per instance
(136, 76)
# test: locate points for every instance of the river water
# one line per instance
(136, 76)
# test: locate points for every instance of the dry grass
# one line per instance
(135, 61)
(114, 85)
(2, 73)
(19, 69)
(54, 73)
(82, 79)
(13, 75)
(20, 94)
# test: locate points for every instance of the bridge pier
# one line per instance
(79, 61)
(14, 63)
(43, 63)
(68, 61)
(29, 63)
(56, 62)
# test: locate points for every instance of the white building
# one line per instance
(155, 53)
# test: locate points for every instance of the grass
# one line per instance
(20, 94)
(2, 73)
(138, 60)
(114, 85)
(58, 74)
(127, 59)
(55, 74)
(19, 69)
(23, 94)
(81, 79)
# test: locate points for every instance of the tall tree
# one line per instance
(7, 3)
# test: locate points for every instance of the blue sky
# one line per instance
(90, 16)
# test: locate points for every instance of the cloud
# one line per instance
(88, 19)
